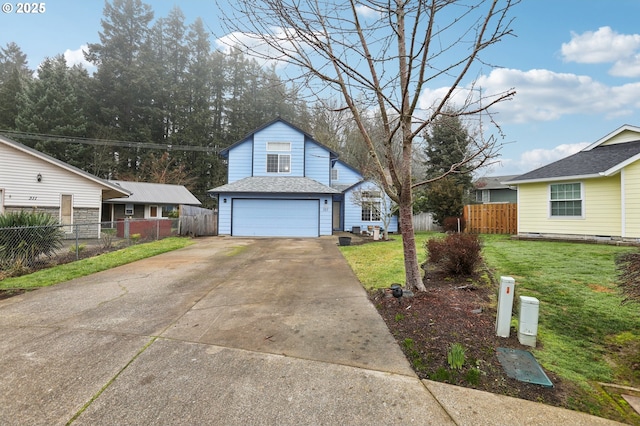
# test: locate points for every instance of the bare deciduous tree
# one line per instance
(382, 55)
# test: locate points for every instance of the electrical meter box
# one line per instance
(505, 306)
(528, 320)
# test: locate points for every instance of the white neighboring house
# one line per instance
(34, 181)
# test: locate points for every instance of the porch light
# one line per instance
(39, 177)
(224, 200)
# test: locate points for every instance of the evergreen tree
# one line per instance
(123, 88)
(14, 76)
(49, 105)
(447, 147)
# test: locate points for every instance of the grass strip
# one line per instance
(57, 274)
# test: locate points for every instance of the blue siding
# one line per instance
(346, 175)
(283, 214)
(240, 161)
(224, 215)
(278, 132)
(353, 210)
(317, 162)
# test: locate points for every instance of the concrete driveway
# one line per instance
(227, 331)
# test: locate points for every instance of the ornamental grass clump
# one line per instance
(25, 236)
(456, 254)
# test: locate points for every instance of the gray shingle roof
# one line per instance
(493, 182)
(595, 162)
(275, 184)
(152, 193)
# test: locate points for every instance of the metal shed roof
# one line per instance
(160, 193)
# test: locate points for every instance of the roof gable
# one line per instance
(225, 152)
(109, 190)
(622, 134)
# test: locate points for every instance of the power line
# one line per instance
(107, 142)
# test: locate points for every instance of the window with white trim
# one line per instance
(334, 174)
(278, 163)
(565, 199)
(371, 206)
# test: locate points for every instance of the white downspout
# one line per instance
(623, 206)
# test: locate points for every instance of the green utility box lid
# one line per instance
(521, 365)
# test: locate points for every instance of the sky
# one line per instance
(575, 66)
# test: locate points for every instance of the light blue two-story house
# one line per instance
(283, 183)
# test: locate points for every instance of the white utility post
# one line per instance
(505, 306)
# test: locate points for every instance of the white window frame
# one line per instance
(279, 146)
(283, 160)
(128, 209)
(566, 200)
(371, 206)
(334, 175)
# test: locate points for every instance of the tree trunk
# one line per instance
(411, 267)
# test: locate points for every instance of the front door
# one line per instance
(336, 215)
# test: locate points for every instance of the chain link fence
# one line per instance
(33, 247)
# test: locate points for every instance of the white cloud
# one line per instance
(532, 159)
(605, 46)
(602, 46)
(543, 95)
(74, 57)
(368, 12)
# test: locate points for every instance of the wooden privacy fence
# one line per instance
(491, 218)
(197, 222)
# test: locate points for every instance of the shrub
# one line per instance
(24, 236)
(628, 265)
(456, 254)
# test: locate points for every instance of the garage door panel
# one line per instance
(275, 218)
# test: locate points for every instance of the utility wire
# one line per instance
(107, 142)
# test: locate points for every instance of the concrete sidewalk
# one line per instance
(227, 331)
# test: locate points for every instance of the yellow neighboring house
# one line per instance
(591, 195)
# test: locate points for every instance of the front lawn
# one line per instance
(585, 334)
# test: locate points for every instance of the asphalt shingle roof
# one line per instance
(275, 184)
(584, 163)
(493, 182)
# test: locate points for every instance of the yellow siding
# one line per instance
(622, 137)
(601, 210)
(631, 176)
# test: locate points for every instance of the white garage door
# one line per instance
(275, 218)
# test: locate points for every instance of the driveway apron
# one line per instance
(226, 331)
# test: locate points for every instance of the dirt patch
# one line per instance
(463, 312)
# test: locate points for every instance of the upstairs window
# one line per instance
(566, 199)
(334, 174)
(277, 161)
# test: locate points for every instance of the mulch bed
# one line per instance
(458, 311)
